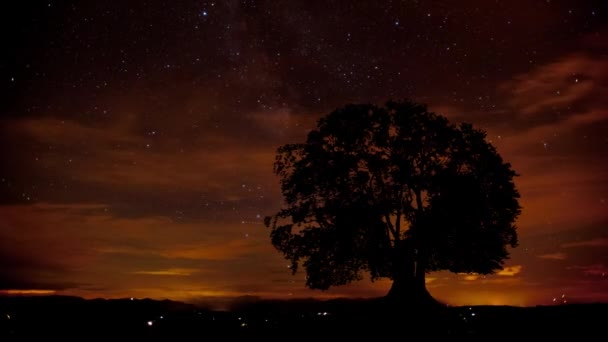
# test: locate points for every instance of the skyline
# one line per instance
(141, 137)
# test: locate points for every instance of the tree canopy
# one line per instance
(395, 191)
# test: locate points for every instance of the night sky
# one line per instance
(138, 137)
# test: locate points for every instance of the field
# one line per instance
(70, 318)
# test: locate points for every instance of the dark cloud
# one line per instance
(30, 272)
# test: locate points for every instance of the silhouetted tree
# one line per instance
(396, 191)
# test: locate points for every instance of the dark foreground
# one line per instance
(69, 318)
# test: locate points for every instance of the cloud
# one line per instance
(554, 256)
(182, 272)
(21, 270)
(548, 103)
(554, 141)
(558, 85)
(428, 280)
(212, 250)
(118, 156)
(93, 246)
(550, 131)
(597, 242)
(221, 251)
(489, 280)
(282, 123)
(510, 271)
(27, 292)
(592, 270)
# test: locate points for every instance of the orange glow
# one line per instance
(510, 270)
(28, 292)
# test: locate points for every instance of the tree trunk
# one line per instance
(409, 305)
(409, 288)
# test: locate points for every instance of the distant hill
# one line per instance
(73, 318)
(48, 302)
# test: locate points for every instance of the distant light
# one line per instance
(161, 317)
(473, 314)
(132, 298)
(150, 323)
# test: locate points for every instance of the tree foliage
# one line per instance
(390, 189)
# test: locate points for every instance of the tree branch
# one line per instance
(418, 195)
(389, 224)
(399, 212)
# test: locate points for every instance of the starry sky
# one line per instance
(138, 137)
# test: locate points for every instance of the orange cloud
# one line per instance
(510, 271)
(183, 272)
(219, 251)
(28, 292)
(429, 280)
(93, 246)
(489, 279)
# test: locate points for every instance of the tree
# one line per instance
(395, 191)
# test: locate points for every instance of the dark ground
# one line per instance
(59, 318)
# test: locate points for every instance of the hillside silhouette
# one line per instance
(73, 318)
